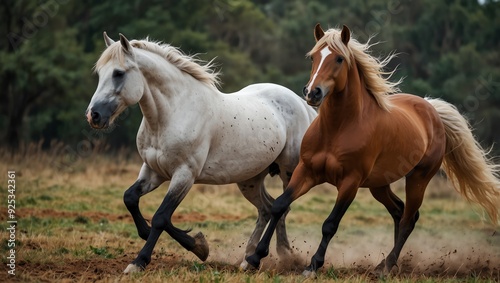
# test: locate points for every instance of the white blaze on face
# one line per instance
(324, 53)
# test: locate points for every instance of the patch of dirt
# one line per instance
(421, 260)
(97, 269)
(100, 269)
(51, 213)
(98, 216)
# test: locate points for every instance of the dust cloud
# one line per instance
(427, 253)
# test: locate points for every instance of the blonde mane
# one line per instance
(199, 69)
(375, 78)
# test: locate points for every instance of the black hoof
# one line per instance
(253, 261)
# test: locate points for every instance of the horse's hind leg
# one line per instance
(294, 190)
(282, 244)
(146, 182)
(392, 203)
(254, 191)
(416, 183)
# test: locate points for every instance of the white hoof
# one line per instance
(244, 265)
(132, 268)
(309, 274)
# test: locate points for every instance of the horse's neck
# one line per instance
(166, 91)
(152, 104)
(348, 105)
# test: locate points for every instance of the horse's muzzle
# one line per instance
(98, 116)
(96, 120)
(314, 97)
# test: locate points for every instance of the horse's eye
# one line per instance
(118, 73)
(340, 59)
(118, 80)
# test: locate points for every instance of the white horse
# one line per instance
(193, 133)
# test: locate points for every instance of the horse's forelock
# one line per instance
(332, 39)
(113, 53)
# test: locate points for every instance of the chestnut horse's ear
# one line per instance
(345, 35)
(318, 32)
(125, 44)
(107, 40)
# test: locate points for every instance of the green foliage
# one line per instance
(448, 49)
(106, 252)
(198, 267)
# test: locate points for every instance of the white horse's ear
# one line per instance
(345, 35)
(107, 39)
(125, 44)
(318, 32)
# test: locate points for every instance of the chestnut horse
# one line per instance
(364, 137)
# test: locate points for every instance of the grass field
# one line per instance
(73, 227)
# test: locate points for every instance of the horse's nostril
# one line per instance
(317, 92)
(96, 117)
(304, 91)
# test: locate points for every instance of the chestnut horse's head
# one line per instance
(334, 56)
(329, 65)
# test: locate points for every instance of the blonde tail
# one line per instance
(466, 163)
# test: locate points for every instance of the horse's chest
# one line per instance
(324, 166)
(157, 160)
(165, 157)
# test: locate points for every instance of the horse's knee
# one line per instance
(129, 199)
(131, 196)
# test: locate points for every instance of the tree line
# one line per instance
(447, 49)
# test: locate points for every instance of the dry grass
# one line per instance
(73, 227)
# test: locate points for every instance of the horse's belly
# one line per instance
(244, 145)
(389, 169)
(233, 171)
(233, 162)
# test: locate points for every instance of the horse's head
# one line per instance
(120, 83)
(329, 65)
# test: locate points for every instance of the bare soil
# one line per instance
(419, 263)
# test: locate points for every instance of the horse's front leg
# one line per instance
(347, 192)
(147, 181)
(180, 185)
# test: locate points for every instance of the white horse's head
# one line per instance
(121, 83)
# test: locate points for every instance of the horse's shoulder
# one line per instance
(412, 105)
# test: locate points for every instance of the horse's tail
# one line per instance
(466, 163)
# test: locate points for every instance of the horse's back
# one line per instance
(289, 104)
(292, 110)
(418, 111)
